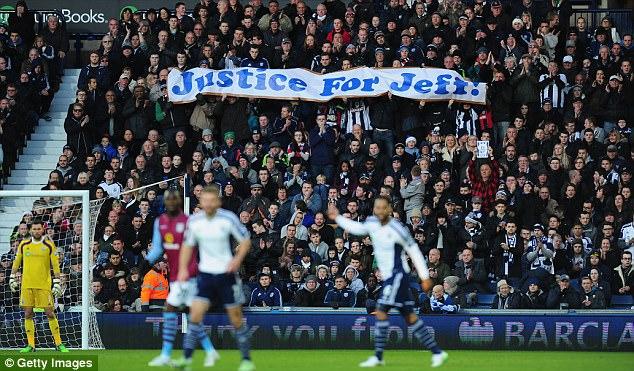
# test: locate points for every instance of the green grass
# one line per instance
(344, 360)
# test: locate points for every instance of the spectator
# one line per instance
(534, 297)
(340, 295)
(505, 297)
(265, 295)
(623, 276)
(471, 273)
(563, 296)
(155, 288)
(591, 296)
(310, 294)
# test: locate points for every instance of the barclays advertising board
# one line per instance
(613, 332)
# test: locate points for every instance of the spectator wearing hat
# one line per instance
(310, 294)
(614, 104)
(524, 81)
(471, 236)
(539, 254)
(534, 297)
(481, 70)
(563, 296)
(506, 298)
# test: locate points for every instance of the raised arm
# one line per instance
(157, 244)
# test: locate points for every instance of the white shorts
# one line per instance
(182, 293)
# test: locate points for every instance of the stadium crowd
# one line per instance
(546, 221)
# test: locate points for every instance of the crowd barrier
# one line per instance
(352, 329)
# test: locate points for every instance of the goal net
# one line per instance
(69, 220)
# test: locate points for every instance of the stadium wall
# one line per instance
(612, 331)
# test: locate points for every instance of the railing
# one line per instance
(621, 18)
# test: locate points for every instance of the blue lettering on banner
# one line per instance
(297, 84)
(331, 84)
(224, 79)
(442, 81)
(243, 75)
(407, 82)
(412, 83)
(187, 84)
(273, 82)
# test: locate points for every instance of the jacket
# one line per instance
(266, 296)
(79, 136)
(356, 284)
(512, 301)
(621, 278)
(595, 297)
(306, 298)
(155, 287)
(556, 297)
(479, 272)
(533, 301)
(413, 196)
(340, 298)
(321, 147)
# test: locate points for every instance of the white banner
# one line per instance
(433, 84)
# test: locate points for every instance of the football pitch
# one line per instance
(345, 360)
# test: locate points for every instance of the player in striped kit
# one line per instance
(169, 230)
(392, 244)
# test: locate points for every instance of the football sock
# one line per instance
(191, 338)
(53, 324)
(205, 341)
(380, 337)
(422, 334)
(29, 326)
(170, 325)
(242, 337)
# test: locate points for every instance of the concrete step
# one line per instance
(35, 159)
(23, 187)
(67, 92)
(48, 164)
(50, 148)
(68, 72)
(58, 129)
(49, 136)
(32, 174)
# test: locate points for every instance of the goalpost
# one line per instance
(70, 219)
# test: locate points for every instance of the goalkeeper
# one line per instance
(37, 256)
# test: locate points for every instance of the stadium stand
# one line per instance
(521, 229)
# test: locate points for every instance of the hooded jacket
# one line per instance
(301, 231)
(356, 284)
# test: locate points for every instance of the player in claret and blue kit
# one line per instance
(211, 231)
(392, 244)
(169, 230)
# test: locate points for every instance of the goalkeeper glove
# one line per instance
(14, 285)
(57, 288)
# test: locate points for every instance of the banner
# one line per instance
(430, 84)
(345, 330)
